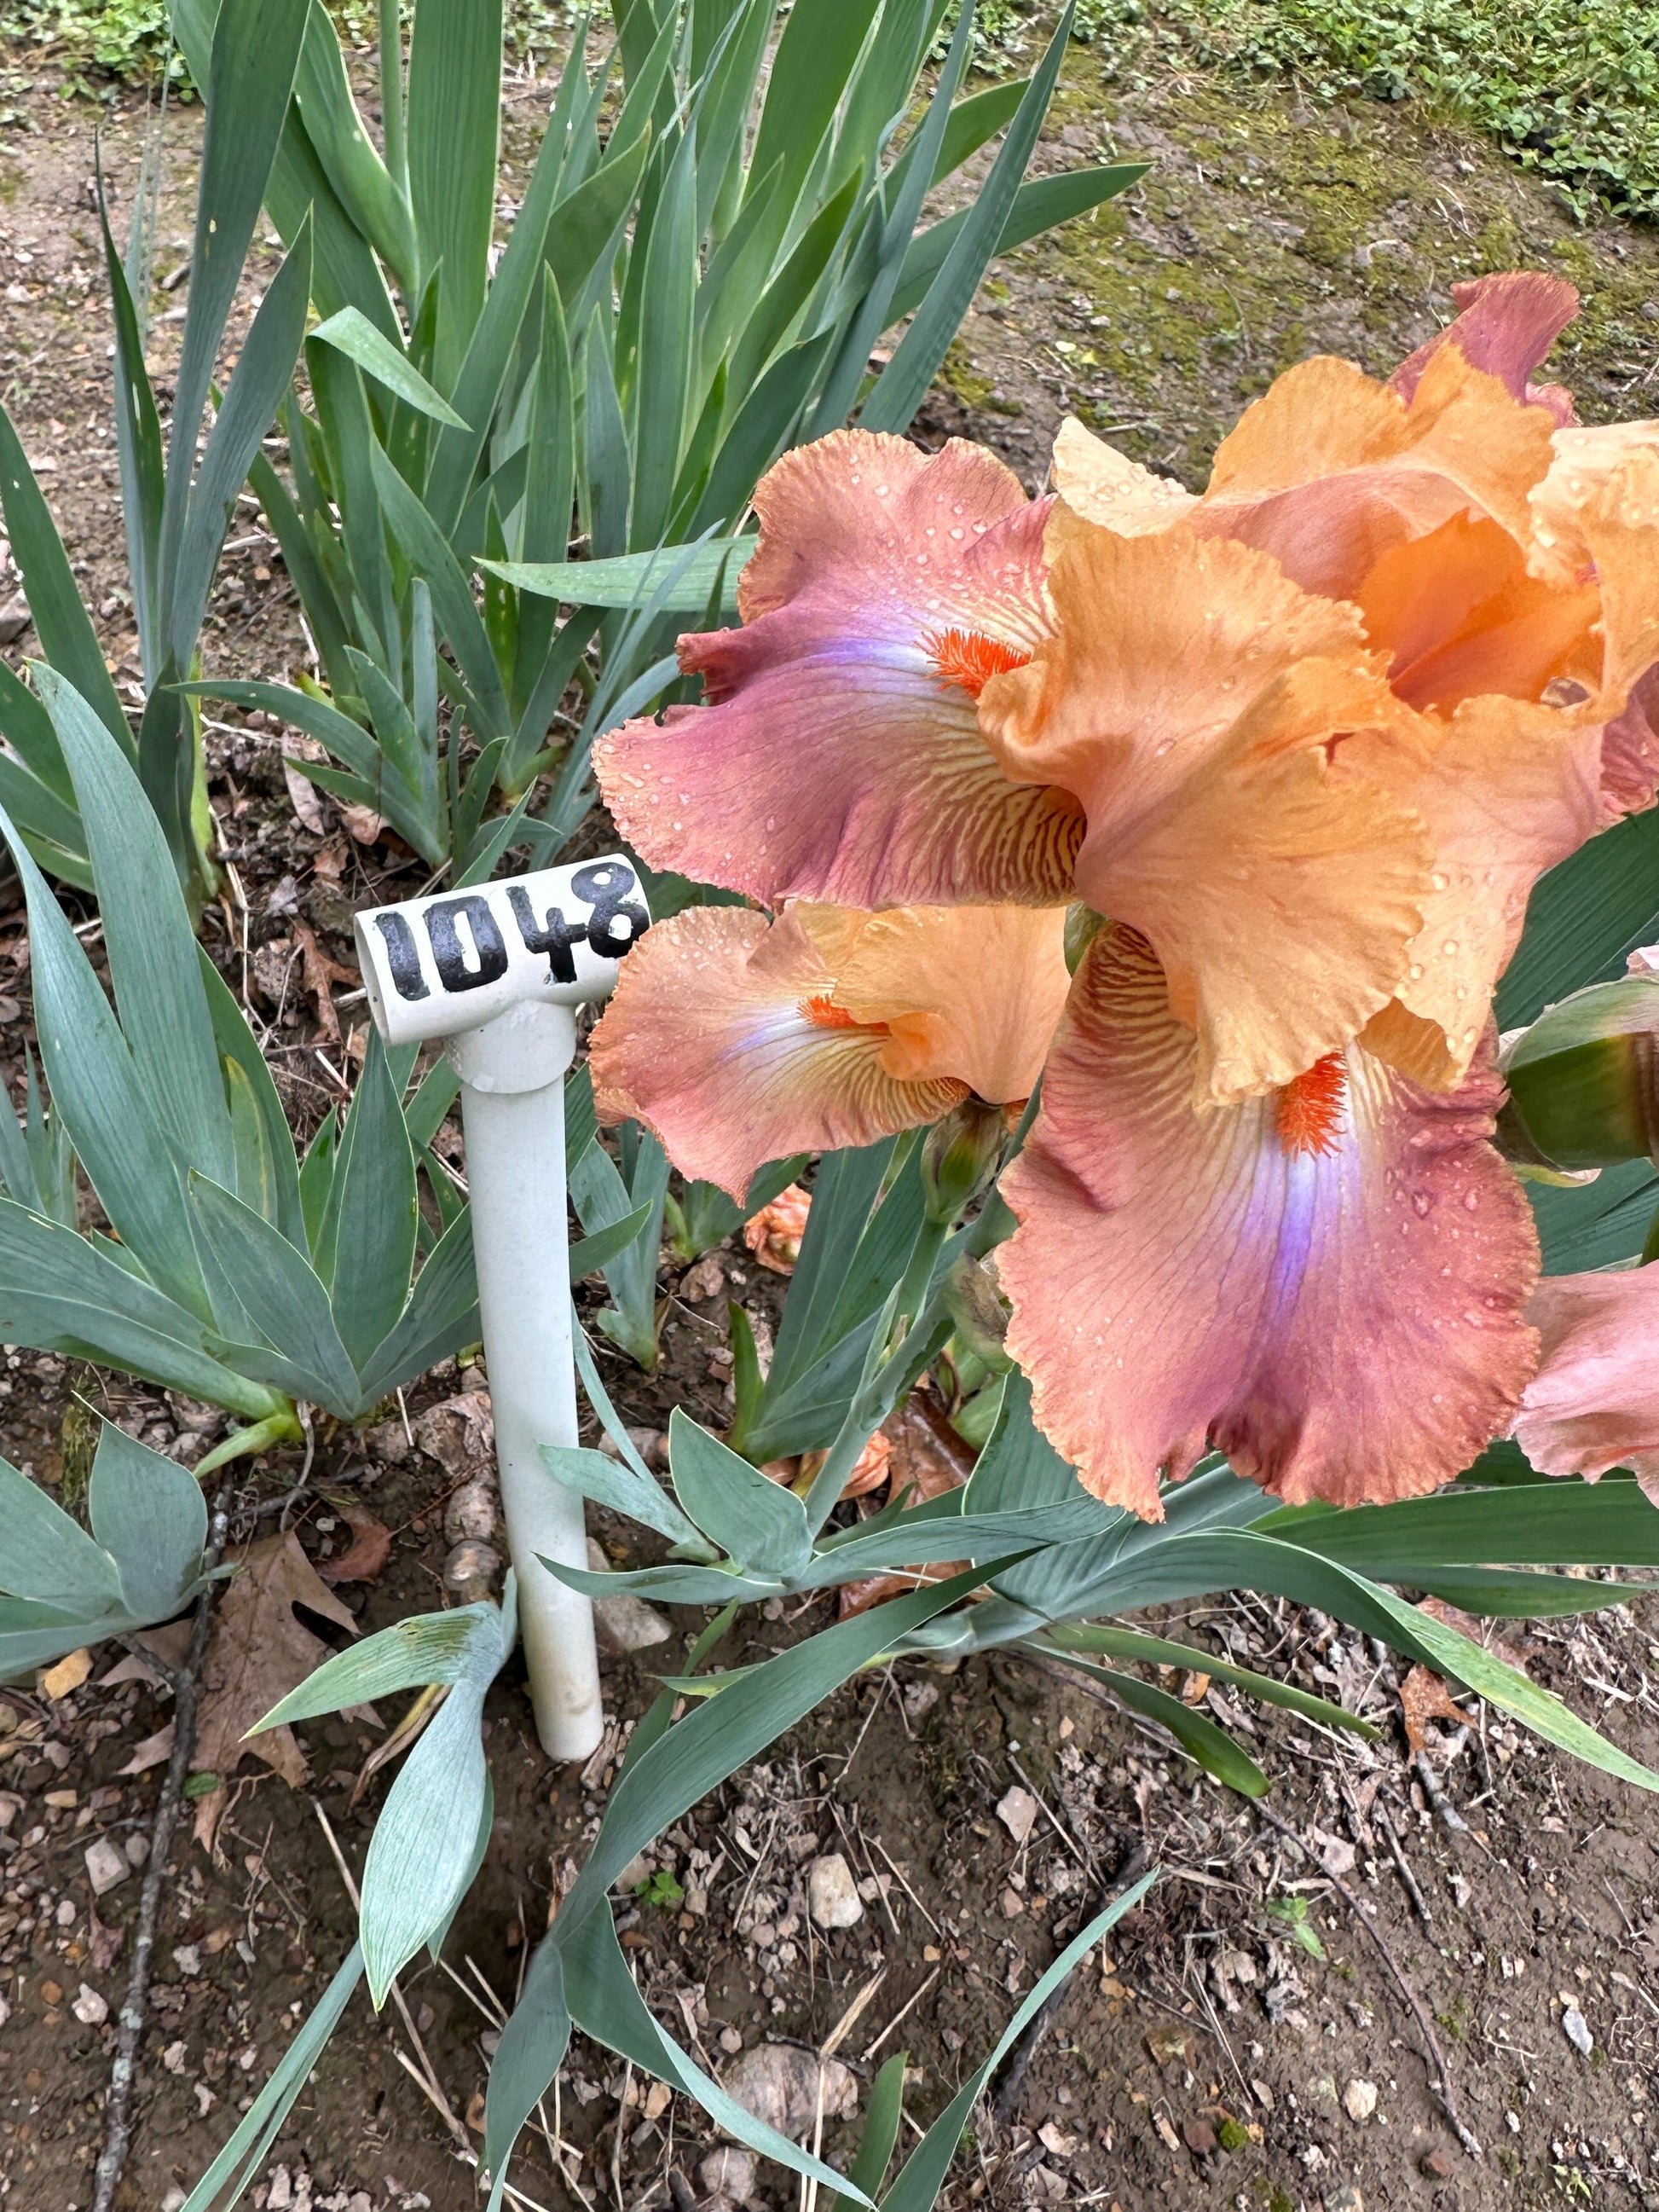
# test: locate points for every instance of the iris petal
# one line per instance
(1505, 324)
(710, 1039)
(1344, 1324)
(833, 764)
(1594, 1403)
(1198, 704)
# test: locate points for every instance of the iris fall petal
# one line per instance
(740, 1041)
(1327, 1285)
(719, 1037)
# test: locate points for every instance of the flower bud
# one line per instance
(1584, 1080)
(979, 1315)
(959, 1157)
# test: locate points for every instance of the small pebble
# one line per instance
(471, 1512)
(91, 2009)
(832, 1896)
(106, 1867)
(780, 2084)
(1017, 1813)
(472, 1572)
(622, 1625)
(1576, 2029)
(1359, 2100)
(728, 2173)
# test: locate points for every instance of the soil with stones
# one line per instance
(1244, 2038)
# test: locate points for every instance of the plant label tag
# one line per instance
(433, 967)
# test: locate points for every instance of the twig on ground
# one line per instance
(1401, 1864)
(1020, 2061)
(1440, 2082)
(135, 2007)
(914, 1999)
(428, 2079)
(1437, 1795)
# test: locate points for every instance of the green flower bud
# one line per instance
(1584, 1080)
(979, 1315)
(960, 1155)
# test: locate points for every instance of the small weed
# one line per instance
(1454, 2021)
(661, 1891)
(1292, 1916)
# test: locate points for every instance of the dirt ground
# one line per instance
(1244, 2040)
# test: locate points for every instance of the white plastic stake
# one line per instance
(498, 972)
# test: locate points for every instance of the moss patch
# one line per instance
(1270, 228)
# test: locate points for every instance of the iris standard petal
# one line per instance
(839, 758)
(1329, 469)
(1197, 702)
(1505, 324)
(1506, 788)
(1327, 1284)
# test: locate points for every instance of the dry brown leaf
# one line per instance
(130, 1669)
(927, 1450)
(302, 797)
(364, 823)
(1424, 1697)
(319, 972)
(774, 1234)
(927, 1457)
(259, 1651)
(367, 1554)
(458, 1433)
(103, 1944)
(170, 1644)
(1483, 1632)
(152, 1752)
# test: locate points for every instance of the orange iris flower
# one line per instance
(1309, 738)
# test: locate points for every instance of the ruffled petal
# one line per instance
(1329, 469)
(720, 1038)
(1505, 324)
(1581, 461)
(1104, 486)
(1596, 516)
(970, 992)
(1344, 1318)
(1191, 698)
(1507, 789)
(1620, 521)
(838, 760)
(1594, 1403)
(1629, 752)
(1459, 614)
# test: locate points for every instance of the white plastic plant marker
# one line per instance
(498, 971)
